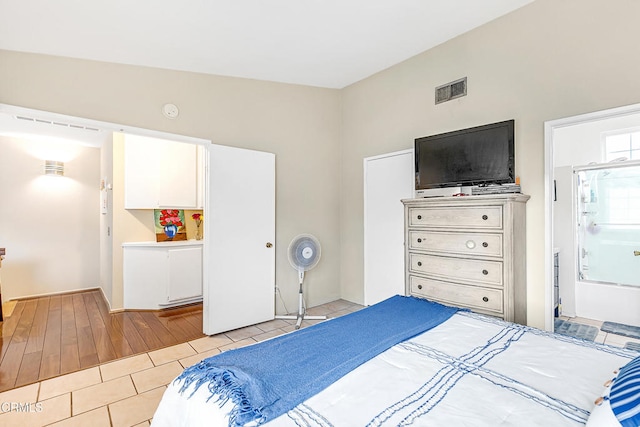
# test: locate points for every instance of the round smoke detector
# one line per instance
(170, 111)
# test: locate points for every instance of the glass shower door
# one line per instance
(608, 217)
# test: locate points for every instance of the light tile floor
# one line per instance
(126, 392)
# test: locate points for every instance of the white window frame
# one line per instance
(629, 154)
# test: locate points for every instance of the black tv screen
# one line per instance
(476, 156)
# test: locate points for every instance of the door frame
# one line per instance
(549, 127)
(366, 161)
(108, 128)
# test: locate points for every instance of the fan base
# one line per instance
(301, 318)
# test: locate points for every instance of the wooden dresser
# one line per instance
(469, 252)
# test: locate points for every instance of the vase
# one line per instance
(170, 230)
(198, 232)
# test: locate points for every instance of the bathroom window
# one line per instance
(624, 206)
(625, 145)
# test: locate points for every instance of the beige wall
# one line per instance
(106, 220)
(548, 60)
(48, 225)
(299, 124)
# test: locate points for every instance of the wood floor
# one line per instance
(50, 336)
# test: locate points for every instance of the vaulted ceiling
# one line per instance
(325, 43)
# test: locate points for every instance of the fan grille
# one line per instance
(304, 252)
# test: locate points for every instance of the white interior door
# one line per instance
(388, 179)
(239, 241)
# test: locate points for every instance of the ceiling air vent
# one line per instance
(451, 90)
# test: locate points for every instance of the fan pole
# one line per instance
(301, 307)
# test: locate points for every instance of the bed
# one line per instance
(460, 369)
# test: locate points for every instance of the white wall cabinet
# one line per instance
(160, 173)
(160, 275)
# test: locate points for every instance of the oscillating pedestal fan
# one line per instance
(304, 254)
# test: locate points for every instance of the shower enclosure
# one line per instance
(608, 218)
(607, 212)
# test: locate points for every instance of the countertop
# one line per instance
(164, 244)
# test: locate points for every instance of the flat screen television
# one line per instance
(480, 155)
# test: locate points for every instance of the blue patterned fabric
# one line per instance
(625, 394)
(268, 379)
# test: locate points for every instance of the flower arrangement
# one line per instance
(197, 217)
(170, 217)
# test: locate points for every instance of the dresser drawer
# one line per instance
(474, 297)
(482, 217)
(486, 244)
(458, 269)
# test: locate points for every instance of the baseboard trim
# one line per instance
(52, 294)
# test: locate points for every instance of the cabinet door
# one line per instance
(176, 185)
(145, 278)
(388, 179)
(141, 160)
(239, 257)
(185, 273)
(159, 173)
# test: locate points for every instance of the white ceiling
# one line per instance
(325, 43)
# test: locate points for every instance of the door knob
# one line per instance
(269, 244)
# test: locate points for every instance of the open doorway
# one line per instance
(589, 205)
(73, 249)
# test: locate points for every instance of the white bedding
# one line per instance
(471, 370)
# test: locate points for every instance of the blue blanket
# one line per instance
(268, 379)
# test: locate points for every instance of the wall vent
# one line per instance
(451, 90)
(49, 122)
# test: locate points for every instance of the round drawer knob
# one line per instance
(419, 286)
(485, 217)
(485, 299)
(485, 244)
(419, 240)
(485, 272)
(419, 216)
(470, 244)
(419, 263)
